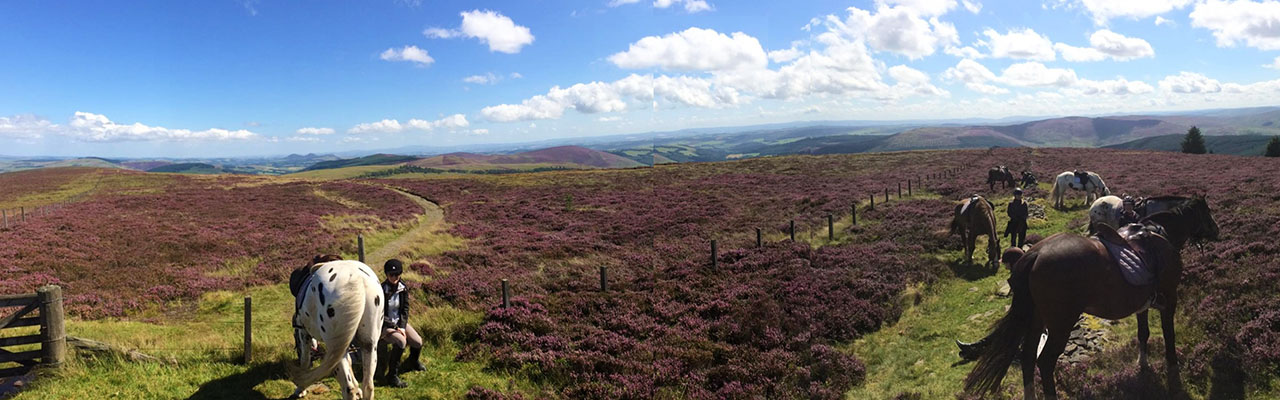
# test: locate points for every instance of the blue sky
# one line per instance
(229, 78)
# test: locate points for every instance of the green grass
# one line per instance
(206, 350)
(340, 173)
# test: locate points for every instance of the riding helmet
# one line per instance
(1017, 191)
(393, 267)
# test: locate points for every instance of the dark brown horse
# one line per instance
(973, 217)
(1002, 175)
(1067, 275)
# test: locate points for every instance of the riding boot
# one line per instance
(392, 378)
(412, 363)
(381, 369)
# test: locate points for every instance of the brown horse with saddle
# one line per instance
(1065, 275)
(1002, 175)
(975, 216)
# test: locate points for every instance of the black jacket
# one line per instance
(398, 317)
(1017, 211)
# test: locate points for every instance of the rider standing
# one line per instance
(1017, 212)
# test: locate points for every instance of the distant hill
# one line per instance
(567, 156)
(1241, 145)
(189, 168)
(145, 165)
(376, 159)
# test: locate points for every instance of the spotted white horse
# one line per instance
(340, 303)
(1093, 187)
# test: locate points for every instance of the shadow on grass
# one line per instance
(970, 271)
(241, 385)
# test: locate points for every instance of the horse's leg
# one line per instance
(1170, 347)
(1029, 345)
(970, 241)
(1048, 360)
(302, 341)
(367, 352)
(342, 374)
(1143, 334)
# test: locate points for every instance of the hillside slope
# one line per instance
(570, 156)
(1240, 145)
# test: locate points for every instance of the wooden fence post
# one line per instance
(873, 201)
(886, 195)
(6, 217)
(899, 190)
(853, 212)
(831, 227)
(248, 329)
(604, 279)
(360, 246)
(793, 230)
(715, 263)
(759, 238)
(506, 294)
(908, 187)
(53, 341)
(24, 213)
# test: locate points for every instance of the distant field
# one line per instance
(339, 173)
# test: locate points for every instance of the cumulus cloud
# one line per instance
(615, 3)
(1106, 44)
(24, 127)
(1104, 10)
(480, 131)
(315, 131)
(92, 127)
(408, 53)
(964, 52)
(911, 81)
(1164, 21)
(1190, 82)
(694, 49)
(455, 121)
(1119, 87)
(1033, 74)
(925, 8)
(494, 29)
(901, 29)
(1275, 64)
(1023, 44)
(974, 76)
(486, 79)
(690, 6)
(1256, 24)
(784, 55)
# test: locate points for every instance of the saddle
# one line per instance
(1082, 178)
(973, 199)
(1126, 248)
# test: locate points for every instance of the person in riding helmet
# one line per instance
(1017, 226)
(1127, 214)
(396, 330)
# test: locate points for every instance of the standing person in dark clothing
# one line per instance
(1127, 214)
(1017, 226)
(396, 330)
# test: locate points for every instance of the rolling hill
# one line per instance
(1240, 145)
(376, 159)
(189, 168)
(566, 156)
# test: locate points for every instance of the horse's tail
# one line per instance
(1008, 333)
(350, 305)
(1057, 188)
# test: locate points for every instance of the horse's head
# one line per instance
(1205, 227)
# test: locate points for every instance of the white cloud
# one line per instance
(690, 6)
(24, 127)
(486, 79)
(615, 3)
(1164, 21)
(515, 75)
(613, 118)
(972, 6)
(299, 139)
(1104, 10)
(901, 29)
(480, 131)
(784, 55)
(974, 76)
(98, 128)
(924, 8)
(964, 52)
(315, 131)
(1256, 24)
(1275, 64)
(1118, 86)
(1190, 82)
(910, 81)
(1023, 44)
(497, 30)
(694, 49)
(1034, 74)
(409, 53)
(1107, 44)
(455, 121)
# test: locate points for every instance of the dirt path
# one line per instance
(431, 221)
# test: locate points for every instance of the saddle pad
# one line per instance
(1131, 266)
(970, 203)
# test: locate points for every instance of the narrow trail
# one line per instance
(431, 220)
